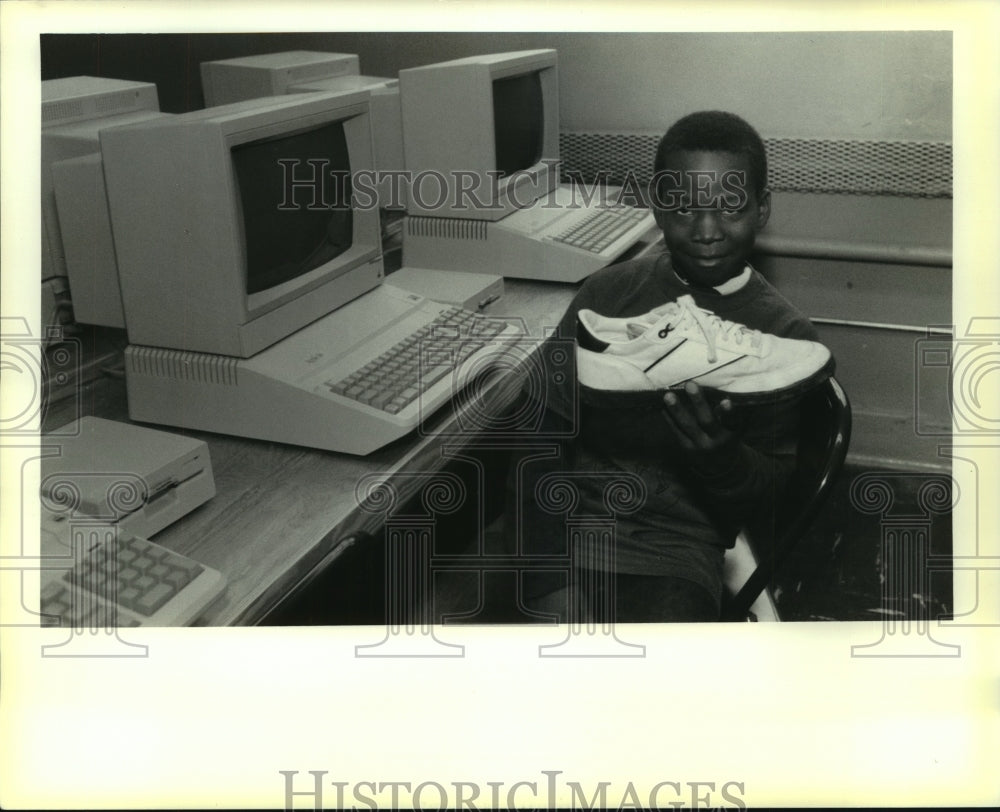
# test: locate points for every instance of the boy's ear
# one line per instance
(653, 193)
(657, 215)
(763, 208)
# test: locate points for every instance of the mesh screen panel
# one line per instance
(904, 168)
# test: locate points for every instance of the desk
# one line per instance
(283, 513)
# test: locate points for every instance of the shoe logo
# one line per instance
(665, 355)
(665, 331)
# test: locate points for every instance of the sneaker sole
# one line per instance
(652, 398)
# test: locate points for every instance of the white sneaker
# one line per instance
(680, 342)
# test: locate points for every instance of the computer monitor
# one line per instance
(224, 81)
(74, 109)
(480, 134)
(79, 275)
(236, 226)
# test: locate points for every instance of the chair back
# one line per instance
(824, 436)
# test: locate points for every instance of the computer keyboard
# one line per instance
(600, 227)
(561, 237)
(398, 376)
(112, 578)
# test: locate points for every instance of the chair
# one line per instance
(760, 548)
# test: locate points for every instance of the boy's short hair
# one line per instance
(715, 131)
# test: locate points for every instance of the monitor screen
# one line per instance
(518, 121)
(290, 225)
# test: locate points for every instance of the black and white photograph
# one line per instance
(443, 411)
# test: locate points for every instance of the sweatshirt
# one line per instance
(675, 520)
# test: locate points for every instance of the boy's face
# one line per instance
(709, 213)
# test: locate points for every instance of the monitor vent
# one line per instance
(842, 166)
(57, 111)
(181, 365)
(447, 228)
(114, 102)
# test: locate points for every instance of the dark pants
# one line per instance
(623, 598)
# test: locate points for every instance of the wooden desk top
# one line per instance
(280, 511)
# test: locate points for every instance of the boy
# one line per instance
(705, 462)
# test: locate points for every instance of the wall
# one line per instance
(870, 85)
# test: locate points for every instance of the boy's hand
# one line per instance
(704, 433)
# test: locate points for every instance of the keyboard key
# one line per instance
(157, 553)
(469, 349)
(79, 614)
(96, 582)
(381, 399)
(489, 329)
(192, 568)
(143, 563)
(141, 546)
(431, 376)
(178, 579)
(129, 597)
(154, 598)
(114, 564)
(128, 574)
(159, 571)
(127, 555)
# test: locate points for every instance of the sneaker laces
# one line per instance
(712, 327)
